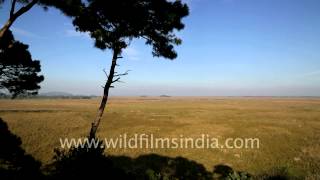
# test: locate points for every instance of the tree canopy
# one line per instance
(113, 24)
(18, 71)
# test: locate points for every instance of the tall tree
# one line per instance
(68, 7)
(114, 24)
(18, 71)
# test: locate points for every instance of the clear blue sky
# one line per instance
(230, 47)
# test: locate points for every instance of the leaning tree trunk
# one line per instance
(108, 85)
(5, 28)
(15, 15)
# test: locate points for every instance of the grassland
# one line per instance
(288, 128)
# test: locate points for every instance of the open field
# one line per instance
(288, 128)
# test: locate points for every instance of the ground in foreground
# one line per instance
(288, 128)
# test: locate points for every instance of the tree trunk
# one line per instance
(14, 16)
(96, 122)
(5, 28)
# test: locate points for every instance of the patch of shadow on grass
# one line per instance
(14, 162)
(92, 163)
(280, 173)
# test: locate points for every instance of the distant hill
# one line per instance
(164, 96)
(55, 93)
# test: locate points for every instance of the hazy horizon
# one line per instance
(230, 48)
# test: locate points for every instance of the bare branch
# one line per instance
(104, 70)
(13, 5)
(122, 74)
(116, 80)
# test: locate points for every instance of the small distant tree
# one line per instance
(113, 24)
(68, 7)
(18, 71)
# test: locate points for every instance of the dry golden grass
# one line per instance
(288, 128)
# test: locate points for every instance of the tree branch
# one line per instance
(146, 38)
(105, 72)
(122, 74)
(119, 76)
(24, 9)
(13, 5)
(116, 80)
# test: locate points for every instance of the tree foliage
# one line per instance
(68, 7)
(113, 24)
(18, 71)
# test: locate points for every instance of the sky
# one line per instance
(230, 48)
